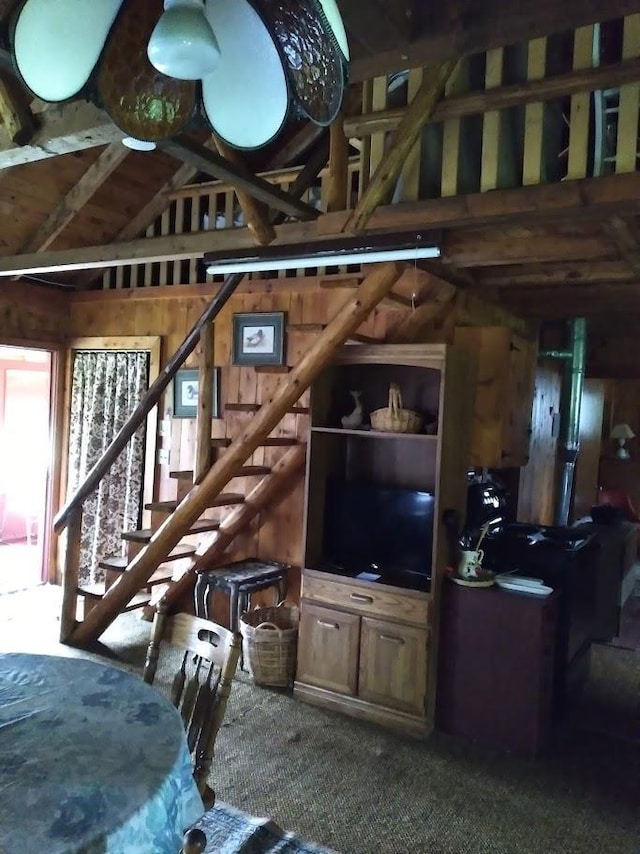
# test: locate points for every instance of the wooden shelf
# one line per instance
(375, 434)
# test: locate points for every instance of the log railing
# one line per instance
(564, 106)
(70, 516)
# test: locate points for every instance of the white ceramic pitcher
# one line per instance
(470, 563)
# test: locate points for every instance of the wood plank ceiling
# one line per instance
(538, 269)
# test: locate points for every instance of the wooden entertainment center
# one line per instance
(369, 648)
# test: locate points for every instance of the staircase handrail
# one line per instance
(151, 398)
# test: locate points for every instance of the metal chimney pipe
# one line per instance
(572, 389)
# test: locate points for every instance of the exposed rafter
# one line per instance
(242, 178)
(77, 197)
(392, 163)
(472, 26)
(62, 128)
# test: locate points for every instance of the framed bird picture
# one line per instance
(258, 338)
(185, 393)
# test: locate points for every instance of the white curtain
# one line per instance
(107, 385)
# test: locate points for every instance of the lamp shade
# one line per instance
(622, 431)
(183, 44)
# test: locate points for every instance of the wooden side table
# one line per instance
(239, 580)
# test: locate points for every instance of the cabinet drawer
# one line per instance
(328, 649)
(393, 665)
(374, 601)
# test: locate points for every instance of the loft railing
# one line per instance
(564, 106)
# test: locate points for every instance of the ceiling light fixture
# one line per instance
(183, 44)
(243, 69)
(302, 256)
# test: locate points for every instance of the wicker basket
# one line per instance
(393, 418)
(269, 642)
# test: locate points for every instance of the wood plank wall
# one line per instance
(536, 499)
(31, 314)
(170, 313)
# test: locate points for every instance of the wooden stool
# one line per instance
(239, 580)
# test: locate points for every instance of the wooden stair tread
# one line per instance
(143, 535)
(255, 407)
(245, 471)
(97, 591)
(305, 327)
(225, 499)
(272, 369)
(120, 563)
(220, 443)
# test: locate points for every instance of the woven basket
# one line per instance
(393, 418)
(269, 642)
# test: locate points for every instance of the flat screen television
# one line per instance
(384, 530)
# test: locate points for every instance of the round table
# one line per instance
(92, 761)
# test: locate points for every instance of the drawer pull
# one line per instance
(364, 600)
(391, 639)
(326, 625)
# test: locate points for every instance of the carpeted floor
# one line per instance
(360, 789)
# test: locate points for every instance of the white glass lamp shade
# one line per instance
(56, 45)
(334, 19)
(182, 44)
(622, 431)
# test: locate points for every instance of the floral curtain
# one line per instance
(106, 387)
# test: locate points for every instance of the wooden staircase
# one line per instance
(161, 555)
(176, 563)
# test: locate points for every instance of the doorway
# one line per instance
(25, 464)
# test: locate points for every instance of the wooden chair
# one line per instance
(200, 687)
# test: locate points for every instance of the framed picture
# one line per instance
(258, 339)
(185, 393)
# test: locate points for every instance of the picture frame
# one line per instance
(185, 393)
(258, 338)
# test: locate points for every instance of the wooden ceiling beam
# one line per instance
(573, 200)
(503, 97)
(473, 26)
(491, 247)
(554, 273)
(61, 129)
(625, 241)
(146, 250)
(211, 163)
(77, 197)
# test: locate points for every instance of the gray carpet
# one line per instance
(360, 789)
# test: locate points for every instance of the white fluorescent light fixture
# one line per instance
(370, 249)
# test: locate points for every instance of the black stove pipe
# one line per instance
(571, 399)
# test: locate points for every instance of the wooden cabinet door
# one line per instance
(393, 665)
(328, 649)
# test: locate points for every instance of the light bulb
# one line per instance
(182, 44)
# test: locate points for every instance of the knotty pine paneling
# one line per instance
(30, 313)
(168, 314)
(536, 498)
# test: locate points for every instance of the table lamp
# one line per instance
(622, 432)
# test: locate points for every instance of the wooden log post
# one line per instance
(264, 496)
(70, 575)
(352, 314)
(256, 214)
(204, 414)
(417, 114)
(337, 189)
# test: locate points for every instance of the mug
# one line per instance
(470, 563)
